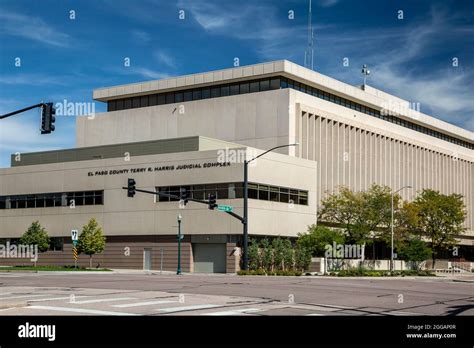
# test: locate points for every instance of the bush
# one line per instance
(262, 272)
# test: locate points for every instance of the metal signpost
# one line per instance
(74, 235)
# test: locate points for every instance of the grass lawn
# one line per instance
(50, 268)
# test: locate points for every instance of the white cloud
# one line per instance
(140, 36)
(164, 59)
(33, 79)
(32, 28)
(327, 3)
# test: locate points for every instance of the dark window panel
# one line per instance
(170, 98)
(188, 96)
(161, 99)
(153, 99)
(275, 83)
(127, 103)
(120, 104)
(197, 94)
(284, 82)
(264, 85)
(254, 86)
(111, 105)
(215, 92)
(225, 91)
(244, 87)
(206, 93)
(135, 102)
(234, 89)
(144, 101)
(178, 97)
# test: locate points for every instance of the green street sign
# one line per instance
(222, 207)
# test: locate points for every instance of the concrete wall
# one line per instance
(258, 119)
(140, 215)
(356, 153)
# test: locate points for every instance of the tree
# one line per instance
(302, 257)
(254, 255)
(345, 209)
(91, 241)
(415, 251)
(288, 255)
(278, 252)
(316, 239)
(36, 235)
(267, 255)
(441, 219)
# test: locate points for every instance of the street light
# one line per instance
(246, 197)
(391, 222)
(178, 271)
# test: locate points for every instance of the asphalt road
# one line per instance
(137, 293)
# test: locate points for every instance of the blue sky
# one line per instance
(63, 58)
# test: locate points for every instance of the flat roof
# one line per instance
(151, 147)
(368, 96)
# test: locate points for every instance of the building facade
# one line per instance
(347, 135)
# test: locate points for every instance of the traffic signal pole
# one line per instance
(47, 116)
(22, 110)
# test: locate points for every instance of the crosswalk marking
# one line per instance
(56, 299)
(127, 305)
(188, 308)
(20, 296)
(104, 300)
(235, 311)
(80, 310)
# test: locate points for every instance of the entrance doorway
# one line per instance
(147, 259)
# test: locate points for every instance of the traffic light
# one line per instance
(47, 118)
(184, 195)
(212, 201)
(131, 188)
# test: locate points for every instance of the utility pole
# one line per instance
(178, 271)
(246, 206)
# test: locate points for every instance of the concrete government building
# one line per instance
(173, 132)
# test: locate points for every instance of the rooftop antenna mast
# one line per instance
(309, 53)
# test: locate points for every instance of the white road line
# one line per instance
(55, 299)
(78, 310)
(314, 314)
(20, 296)
(402, 313)
(127, 305)
(188, 308)
(235, 311)
(104, 300)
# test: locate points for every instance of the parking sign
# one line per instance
(74, 235)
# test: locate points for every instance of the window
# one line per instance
(127, 103)
(188, 96)
(263, 192)
(244, 87)
(153, 100)
(119, 105)
(283, 83)
(253, 191)
(144, 101)
(111, 105)
(234, 89)
(44, 200)
(225, 91)
(170, 98)
(284, 195)
(275, 83)
(215, 92)
(274, 194)
(206, 93)
(254, 86)
(161, 99)
(178, 97)
(56, 243)
(136, 102)
(197, 95)
(264, 85)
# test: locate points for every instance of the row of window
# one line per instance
(57, 199)
(235, 190)
(261, 85)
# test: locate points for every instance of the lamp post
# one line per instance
(178, 271)
(391, 223)
(246, 197)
